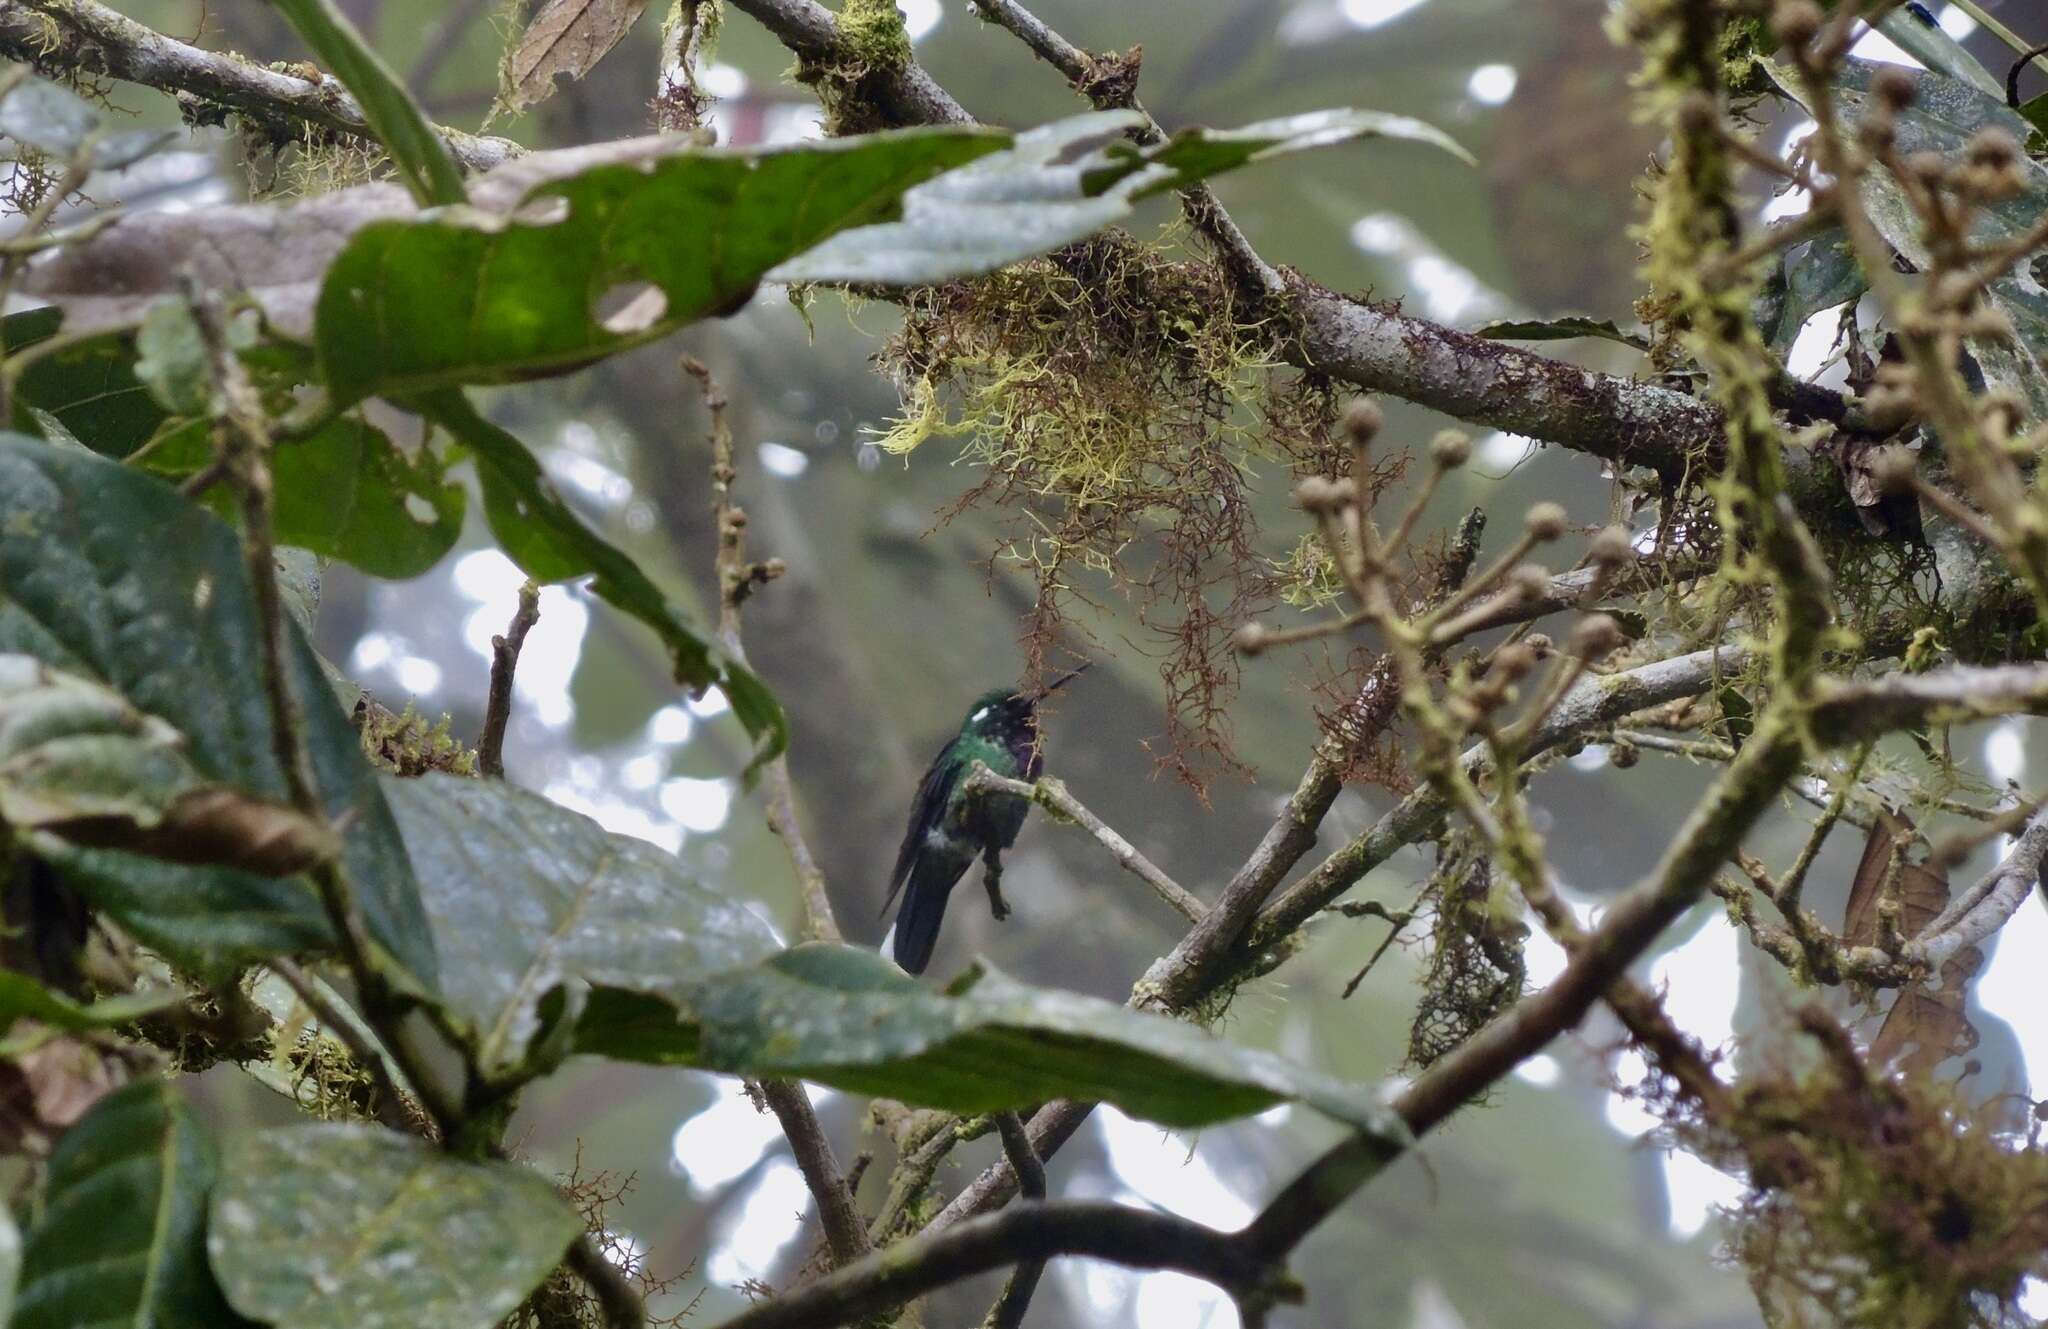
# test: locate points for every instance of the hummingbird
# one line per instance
(948, 829)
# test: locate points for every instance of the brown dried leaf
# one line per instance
(212, 825)
(565, 41)
(46, 1089)
(1925, 1026)
(1922, 894)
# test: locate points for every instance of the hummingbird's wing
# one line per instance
(928, 812)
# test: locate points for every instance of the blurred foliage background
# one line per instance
(1539, 1209)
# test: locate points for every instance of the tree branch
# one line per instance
(490, 744)
(845, 1233)
(1135, 1238)
(1008, 1312)
(1486, 382)
(1052, 795)
(87, 36)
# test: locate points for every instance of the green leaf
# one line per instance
(1060, 183)
(2035, 113)
(171, 359)
(1817, 274)
(169, 624)
(1560, 329)
(352, 1227)
(78, 762)
(22, 998)
(1942, 118)
(40, 115)
(89, 385)
(525, 896)
(1738, 717)
(1943, 54)
(1197, 153)
(346, 491)
(423, 160)
(120, 1241)
(591, 263)
(848, 1018)
(550, 543)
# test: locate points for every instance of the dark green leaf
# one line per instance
(89, 385)
(346, 491)
(1060, 183)
(1560, 329)
(169, 623)
(1738, 717)
(590, 263)
(423, 160)
(352, 1227)
(120, 1241)
(78, 762)
(550, 543)
(848, 1018)
(525, 896)
(22, 998)
(2035, 113)
(1943, 117)
(1817, 274)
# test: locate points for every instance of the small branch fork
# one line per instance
(1052, 795)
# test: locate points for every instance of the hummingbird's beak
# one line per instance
(1065, 679)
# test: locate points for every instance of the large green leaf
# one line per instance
(1565, 328)
(89, 386)
(1061, 183)
(108, 574)
(80, 763)
(352, 1227)
(546, 538)
(423, 160)
(1944, 116)
(120, 1241)
(526, 896)
(848, 1018)
(614, 255)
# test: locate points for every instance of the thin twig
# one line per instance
(490, 744)
(1052, 795)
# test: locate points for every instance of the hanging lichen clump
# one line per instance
(1118, 399)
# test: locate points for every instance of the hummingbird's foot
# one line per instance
(992, 881)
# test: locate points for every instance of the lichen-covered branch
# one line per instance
(89, 37)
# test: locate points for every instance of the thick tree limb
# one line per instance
(87, 36)
(845, 1233)
(1990, 904)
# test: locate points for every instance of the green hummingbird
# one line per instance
(948, 829)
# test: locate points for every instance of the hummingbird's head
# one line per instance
(1005, 714)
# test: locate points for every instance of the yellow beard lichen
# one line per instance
(1119, 398)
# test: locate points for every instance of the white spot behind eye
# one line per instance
(981, 714)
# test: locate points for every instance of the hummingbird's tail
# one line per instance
(916, 931)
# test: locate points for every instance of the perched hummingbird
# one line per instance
(948, 828)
